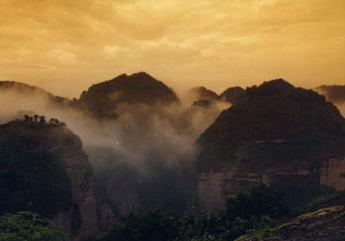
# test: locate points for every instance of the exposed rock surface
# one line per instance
(326, 224)
(45, 169)
(276, 132)
(333, 173)
(210, 190)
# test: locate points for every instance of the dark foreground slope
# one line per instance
(45, 170)
(326, 224)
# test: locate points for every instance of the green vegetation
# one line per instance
(254, 212)
(26, 226)
(258, 202)
(251, 215)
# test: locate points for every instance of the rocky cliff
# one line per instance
(275, 133)
(44, 169)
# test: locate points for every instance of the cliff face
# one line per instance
(333, 173)
(45, 170)
(211, 190)
(276, 134)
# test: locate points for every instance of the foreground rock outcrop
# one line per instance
(275, 134)
(44, 169)
(326, 224)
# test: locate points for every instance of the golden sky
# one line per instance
(66, 45)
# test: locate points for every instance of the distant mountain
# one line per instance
(232, 94)
(102, 99)
(204, 94)
(203, 97)
(277, 132)
(45, 170)
(333, 93)
(29, 90)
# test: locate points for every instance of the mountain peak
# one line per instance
(272, 113)
(272, 87)
(139, 88)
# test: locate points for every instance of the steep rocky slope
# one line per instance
(275, 133)
(45, 170)
(326, 224)
(102, 99)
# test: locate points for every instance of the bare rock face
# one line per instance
(47, 171)
(84, 216)
(123, 194)
(116, 185)
(333, 173)
(210, 190)
(276, 133)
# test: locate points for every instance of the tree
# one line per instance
(26, 226)
(259, 201)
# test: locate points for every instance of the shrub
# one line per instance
(26, 226)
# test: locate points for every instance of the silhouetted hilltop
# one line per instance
(202, 93)
(333, 93)
(274, 124)
(203, 97)
(29, 90)
(232, 94)
(140, 88)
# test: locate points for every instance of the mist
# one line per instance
(137, 157)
